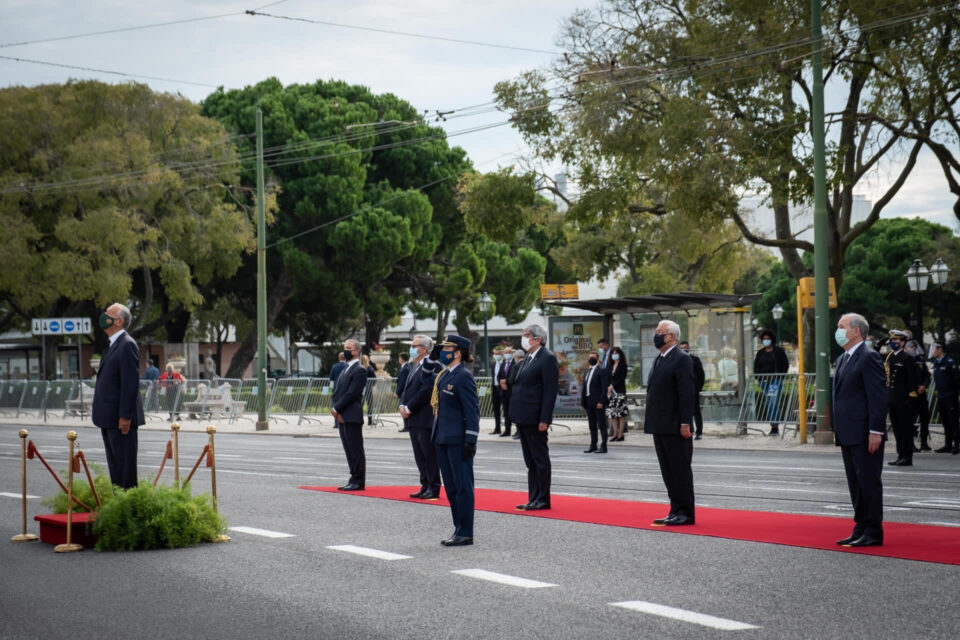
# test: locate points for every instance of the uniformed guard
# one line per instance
(903, 380)
(456, 426)
(946, 378)
(922, 406)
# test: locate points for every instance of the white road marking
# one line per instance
(17, 495)
(502, 578)
(939, 503)
(370, 553)
(229, 455)
(296, 459)
(684, 615)
(263, 532)
(943, 524)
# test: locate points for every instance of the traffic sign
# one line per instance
(62, 326)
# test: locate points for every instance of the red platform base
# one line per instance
(53, 529)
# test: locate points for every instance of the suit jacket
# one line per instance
(670, 394)
(511, 375)
(348, 395)
(402, 376)
(902, 377)
(699, 378)
(534, 392)
(458, 407)
(117, 394)
(498, 374)
(859, 398)
(417, 393)
(336, 371)
(618, 377)
(596, 391)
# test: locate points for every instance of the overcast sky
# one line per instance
(238, 50)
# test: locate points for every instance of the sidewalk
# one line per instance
(564, 432)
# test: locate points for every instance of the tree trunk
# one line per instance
(177, 325)
(48, 368)
(372, 329)
(279, 294)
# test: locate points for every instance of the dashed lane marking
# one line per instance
(17, 495)
(262, 532)
(502, 578)
(370, 553)
(684, 615)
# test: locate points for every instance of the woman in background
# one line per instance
(617, 410)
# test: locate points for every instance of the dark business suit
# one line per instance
(532, 400)
(335, 372)
(117, 395)
(496, 394)
(510, 368)
(699, 379)
(416, 398)
(457, 422)
(593, 392)
(402, 377)
(670, 398)
(348, 402)
(859, 403)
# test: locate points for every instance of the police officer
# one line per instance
(946, 377)
(922, 407)
(456, 427)
(903, 381)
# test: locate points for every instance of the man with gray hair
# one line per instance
(532, 399)
(860, 428)
(117, 406)
(668, 416)
(417, 416)
(348, 412)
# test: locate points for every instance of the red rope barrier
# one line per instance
(32, 451)
(206, 450)
(93, 489)
(166, 454)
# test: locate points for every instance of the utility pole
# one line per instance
(262, 423)
(821, 243)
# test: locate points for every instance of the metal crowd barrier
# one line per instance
(773, 398)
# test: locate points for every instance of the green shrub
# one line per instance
(81, 489)
(147, 517)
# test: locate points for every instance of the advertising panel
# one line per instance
(571, 340)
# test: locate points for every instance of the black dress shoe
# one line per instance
(456, 541)
(903, 462)
(855, 536)
(590, 450)
(601, 450)
(955, 451)
(894, 463)
(523, 507)
(430, 495)
(866, 541)
(495, 432)
(678, 520)
(516, 436)
(663, 520)
(418, 494)
(351, 487)
(697, 437)
(404, 430)
(505, 434)
(538, 506)
(943, 449)
(925, 447)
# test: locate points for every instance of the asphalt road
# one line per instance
(299, 587)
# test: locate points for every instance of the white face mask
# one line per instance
(525, 343)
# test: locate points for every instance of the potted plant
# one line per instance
(95, 362)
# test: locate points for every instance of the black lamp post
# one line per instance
(938, 273)
(777, 312)
(486, 306)
(917, 278)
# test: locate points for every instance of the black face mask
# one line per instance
(347, 355)
(659, 340)
(592, 361)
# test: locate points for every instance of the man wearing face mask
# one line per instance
(903, 381)
(348, 412)
(531, 409)
(496, 395)
(505, 389)
(771, 361)
(510, 381)
(699, 379)
(418, 416)
(593, 398)
(117, 406)
(668, 416)
(946, 377)
(402, 376)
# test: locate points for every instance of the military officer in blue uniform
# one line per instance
(903, 383)
(456, 426)
(946, 377)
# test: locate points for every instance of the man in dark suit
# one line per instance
(532, 400)
(496, 393)
(336, 370)
(668, 416)
(903, 383)
(860, 428)
(403, 376)
(418, 417)
(505, 384)
(348, 412)
(593, 400)
(117, 406)
(699, 379)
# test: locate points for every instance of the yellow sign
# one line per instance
(730, 309)
(806, 293)
(559, 292)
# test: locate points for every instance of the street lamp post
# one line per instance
(938, 273)
(777, 312)
(486, 306)
(917, 278)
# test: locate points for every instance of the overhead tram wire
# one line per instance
(107, 71)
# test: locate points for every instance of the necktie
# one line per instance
(589, 377)
(843, 362)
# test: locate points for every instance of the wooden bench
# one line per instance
(209, 402)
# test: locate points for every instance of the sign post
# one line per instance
(806, 299)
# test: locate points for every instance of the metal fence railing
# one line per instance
(773, 399)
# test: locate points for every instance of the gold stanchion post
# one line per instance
(175, 427)
(24, 536)
(69, 546)
(213, 479)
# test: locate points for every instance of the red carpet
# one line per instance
(927, 543)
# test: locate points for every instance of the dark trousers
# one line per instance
(458, 485)
(923, 416)
(425, 455)
(505, 395)
(950, 418)
(170, 397)
(536, 455)
(497, 401)
(866, 490)
(901, 419)
(597, 419)
(121, 453)
(698, 416)
(675, 453)
(351, 436)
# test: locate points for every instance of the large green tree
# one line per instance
(114, 193)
